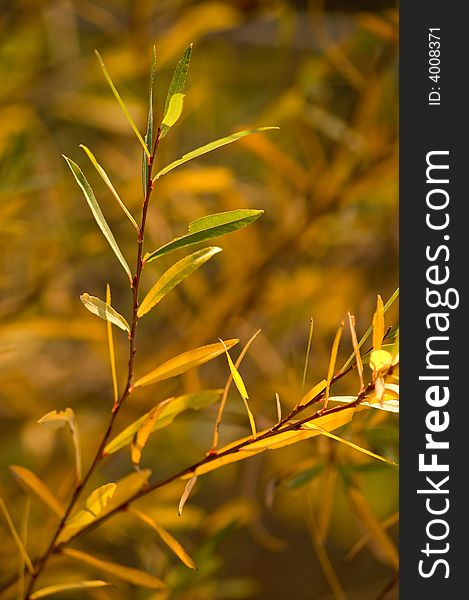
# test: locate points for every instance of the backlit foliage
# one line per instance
(301, 499)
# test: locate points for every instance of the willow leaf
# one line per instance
(186, 493)
(238, 380)
(104, 176)
(229, 455)
(208, 148)
(172, 107)
(185, 361)
(208, 228)
(144, 431)
(31, 483)
(16, 537)
(56, 420)
(97, 213)
(67, 587)
(171, 409)
(167, 538)
(172, 115)
(367, 333)
(104, 311)
(174, 276)
(128, 574)
(124, 108)
(112, 354)
(149, 132)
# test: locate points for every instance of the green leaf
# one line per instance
(208, 228)
(104, 176)
(128, 574)
(174, 112)
(172, 408)
(173, 277)
(31, 483)
(149, 133)
(104, 311)
(56, 420)
(208, 148)
(176, 87)
(98, 215)
(66, 587)
(185, 361)
(124, 108)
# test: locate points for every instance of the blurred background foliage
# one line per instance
(285, 523)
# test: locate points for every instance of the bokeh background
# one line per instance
(326, 74)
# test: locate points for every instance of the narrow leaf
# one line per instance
(387, 306)
(98, 500)
(144, 431)
(366, 515)
(16, 537)
(170, 410)
(178, 82)
(149, 133)
(387, 404)
(226, 456)
(128, 574)
(121, 103)
(279, 407)
(173, 113)
(24, 538)
(241, 389)
(174, 98)
(208, 228)
(313, 393)
(312, 425)
(107, 181)
(332, 361)
(208, 148)
(186, 493)
(31, 483)
(56, 420)
(308, 350)
(112, 354)
(184, 362)
(378, 324)
(97, 213)
(104, 311)
(66, 587)
(174, 276)
(356, 349)
(221, 408)
(94, 506)
(167, 538)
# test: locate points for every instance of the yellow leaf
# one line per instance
(380, 360)
(94, 506)
(128, 574)
(65, 587)
(313, 392)
(186, 493)
(167, 538)
(171, 409)
(350, 444)
(241, 389)
(378, 324)
(31, 483)
(332, 361)
(143, 433)
(56, 420)
(273, 442)
(16, 537)
(373, 525)
(184, 362)
(112, 355)
(356, 349)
